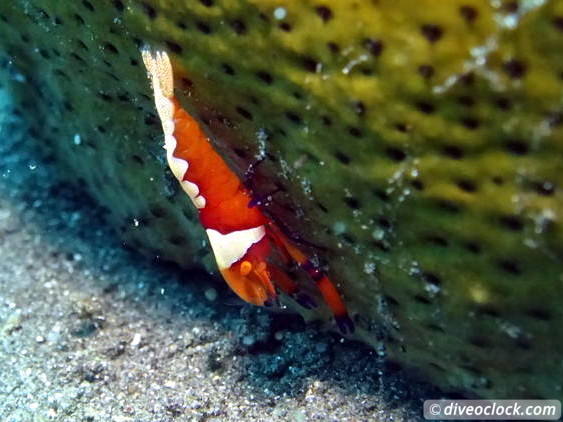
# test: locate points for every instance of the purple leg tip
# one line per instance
(306, 301)
(345, 324)
(270, 303)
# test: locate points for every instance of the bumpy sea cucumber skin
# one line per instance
(417, 151)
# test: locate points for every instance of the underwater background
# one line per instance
(91, 331)
(415, 151)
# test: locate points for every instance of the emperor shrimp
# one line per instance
(243, 239)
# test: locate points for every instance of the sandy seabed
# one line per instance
(90, 331)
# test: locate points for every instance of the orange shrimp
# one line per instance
(242, 237)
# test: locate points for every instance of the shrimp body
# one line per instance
(226, 198)
(242, 237)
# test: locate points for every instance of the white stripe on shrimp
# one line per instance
(160, 72)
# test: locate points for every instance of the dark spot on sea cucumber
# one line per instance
(149, 11)
(118, 4)
(515, 68)
(174, 47)
(432, 32)
(395, 154)
(469, 13)
(374, 46)
(239, 27)
(88, 5)
(324, 13)
(426, 71)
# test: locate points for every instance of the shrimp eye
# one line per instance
(245, 268)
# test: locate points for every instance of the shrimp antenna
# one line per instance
(161, 75)
(160, 70)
